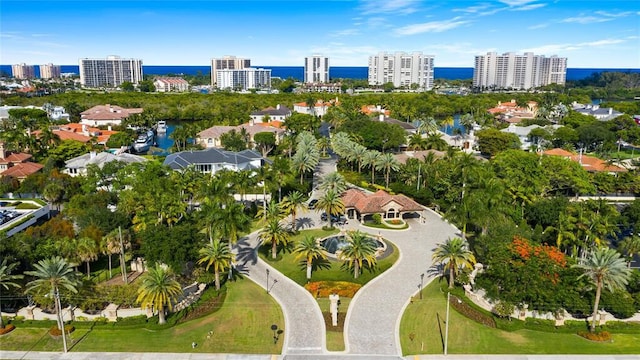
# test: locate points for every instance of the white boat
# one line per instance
(144, 142)
(161, 127)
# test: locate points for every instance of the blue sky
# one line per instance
(591, 34)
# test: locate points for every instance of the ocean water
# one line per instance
(345, 72)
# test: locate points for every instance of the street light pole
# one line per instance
(421, 279)
(446, 328)
(123, 264)
(267, 281)
(57, 298)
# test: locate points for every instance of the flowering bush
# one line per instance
(68, 329)
(7, 329)
(326, 288)
(596, 336)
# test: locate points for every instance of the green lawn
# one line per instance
(331, 271)
(335, 336)
(242, 325)
(426, 320)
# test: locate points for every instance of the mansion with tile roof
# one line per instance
(103, 115)
(17, 165)
(360, 205)
(211, 137)
(589, 163)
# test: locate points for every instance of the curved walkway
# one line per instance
(373, 319)
(304, 328)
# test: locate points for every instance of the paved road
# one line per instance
(304, 328)
(373, 319)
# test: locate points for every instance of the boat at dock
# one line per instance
(161, 127)
(144, 141)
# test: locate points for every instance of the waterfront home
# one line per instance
(523, 133)
(104, 115)
(280, 113)
(602, 114)
(511, 112)
(77, 166)
(211, 137)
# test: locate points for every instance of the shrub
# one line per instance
(619, 304)
(377, 219)
(82, 318)
(19, 318)
(68, 329)
(326, 288)
(596, 336)
(132, 320)
(7, 329)
(473, 314)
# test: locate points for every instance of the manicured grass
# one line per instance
(331, 270)
(335, 336)
(242, 325)
(426, 319)
(383, 226)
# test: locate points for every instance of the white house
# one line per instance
(78, 165)
(524, 131)
(320, 108)
(279, 113)
(602, 114)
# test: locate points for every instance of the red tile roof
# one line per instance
(589, 163)
(15, 158)
(22, 170)
(108, 112)
(374, 203)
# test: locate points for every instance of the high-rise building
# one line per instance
(224, 63)
(402, 69)
(23, 71)
(316, 69)
(111, 71)
(510, 70)
(49, 71)
(243, 79)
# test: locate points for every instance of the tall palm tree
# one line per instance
(7, 279)
(87, 250)
(275, 234)
(217, 255)
(387, 163)
(309, 249)
(467, 121)
(435, 142)
(455, 254)
(370, 159)
(52, 274)
(323, 145)
(428, 126)
(605, 268)
(305, 162)
(291, 204)
(271, 210)
(359, 251)
(231, 221)
(158, 288)
(331, 203)
(334, 181)
(630, 246)
(357, 154)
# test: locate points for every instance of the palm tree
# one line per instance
(158, 288)
(309, 249)
(467, 121)
(7, 280)
(110, 245)
(359, 249)
(52, 274)
(387, 163)
(435, 142)
(417, 142)
(455, 254)
(290, 205)
(271, 210)
(231, 221)
(604, 267)
(323, 145)
(304, 162)
(87, 250)
(275, 234)
(370, 159)
(334, 181)
(331, 203)
(357, 153)
(630, 246)
(428, 126)
(218, 255)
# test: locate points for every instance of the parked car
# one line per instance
(312, 203)
(336, 219)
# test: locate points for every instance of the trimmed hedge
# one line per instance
(473, 314)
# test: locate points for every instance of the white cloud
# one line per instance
(614, 15)
(528, 7)
(556, 48)
(538, 26)
(473, 9)
(345, 32)
(432, 26)
(403, 7)
(517, 2)
(586, 19)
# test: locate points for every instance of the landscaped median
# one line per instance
(241, 324)
(422, 331)
(329, 276)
